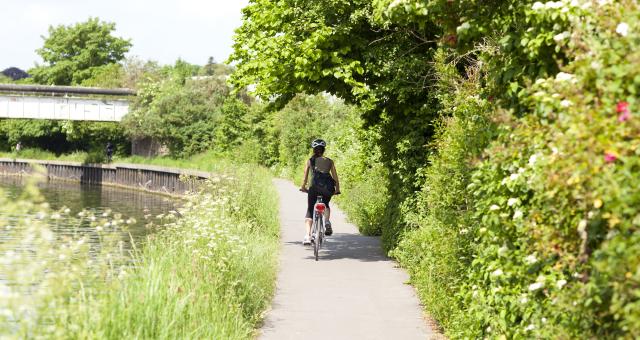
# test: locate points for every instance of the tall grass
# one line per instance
(209, 274)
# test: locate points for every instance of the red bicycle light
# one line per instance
(320, 207)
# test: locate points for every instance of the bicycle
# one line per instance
(318, 228)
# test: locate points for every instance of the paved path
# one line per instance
(352, 292)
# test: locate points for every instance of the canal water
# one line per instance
(141, 206)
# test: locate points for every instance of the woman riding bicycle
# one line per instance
(323, 183)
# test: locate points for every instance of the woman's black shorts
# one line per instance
(312, 196)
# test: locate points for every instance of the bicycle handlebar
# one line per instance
(306, 190)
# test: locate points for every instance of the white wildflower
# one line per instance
(582, 226)
(503, 250)
(596, 65)
(536, 286)
(544, 320)
(554, 4)
(531, 259)
(463, 231)
(530, 327)
(395, 3)
(518, 214)
(566, 103)
(622, 29)
(561, 283)
(513, 177)
(494, 207)
(524, 299)
(533, 159)
(512, 201)
(563, 76)
(463, 28)
(561, 36)
(497, 272)
(537, 5)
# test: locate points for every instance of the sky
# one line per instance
(160, 30)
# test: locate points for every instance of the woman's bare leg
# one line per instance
(308, 223)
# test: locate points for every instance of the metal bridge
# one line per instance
(63, 102)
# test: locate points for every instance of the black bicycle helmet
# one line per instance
(318, 142)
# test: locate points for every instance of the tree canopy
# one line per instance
(74, 53)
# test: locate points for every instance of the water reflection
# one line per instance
(139, 205)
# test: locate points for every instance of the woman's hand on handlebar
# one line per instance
(303, 189)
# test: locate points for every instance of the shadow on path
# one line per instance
(341, 246)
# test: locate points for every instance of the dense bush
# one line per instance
(555, 235)
(541, 243)
(436, 250)
(188, 115)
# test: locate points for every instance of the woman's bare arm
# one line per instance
(303, 187)
(334, 174)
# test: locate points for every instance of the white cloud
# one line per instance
(161, 30)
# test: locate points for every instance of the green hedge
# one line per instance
(538, 237)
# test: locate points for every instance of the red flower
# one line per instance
(623, 117)
(622, 107)
(610, 157)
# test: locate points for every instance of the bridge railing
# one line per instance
(54, 102)
(40, 89)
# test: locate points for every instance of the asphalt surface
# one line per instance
(353, 292)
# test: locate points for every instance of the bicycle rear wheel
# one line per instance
(318, 237)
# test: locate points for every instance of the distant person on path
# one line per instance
(109, 150)
(324, 182)
(18, 147)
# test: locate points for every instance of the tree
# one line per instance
(75, 53)
(15, 73)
